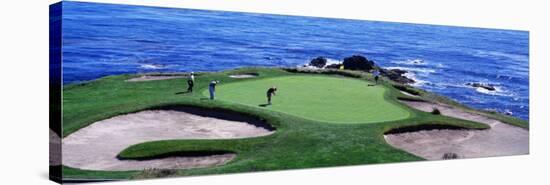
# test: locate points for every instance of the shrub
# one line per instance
(436, 111)
(155, 173)
(449, 155)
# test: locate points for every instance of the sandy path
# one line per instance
(500, 140)
(154, 77)
(243, 76)
(95, 147)
(409, 94)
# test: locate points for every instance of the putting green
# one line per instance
(321, 98)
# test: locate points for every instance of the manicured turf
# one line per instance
(320, 98)
(299, 141)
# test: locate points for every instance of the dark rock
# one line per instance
(333, 66)
(398, 71)
(318, 62)
(358, 62)
(436, 111)
(481, 85)
(396, 75)
(448, 156)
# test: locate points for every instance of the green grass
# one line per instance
(320, 98)
(300, 141)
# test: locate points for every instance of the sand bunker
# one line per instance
(154, 77)
(245, 75)
(409, 94)
(96, 146)
(500, 140)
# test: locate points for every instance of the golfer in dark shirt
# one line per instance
(270, 92)
(190, 82)
(376, 74)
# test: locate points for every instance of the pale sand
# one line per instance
(95, 147)
(154, 77)
(243, 76)
(500, 140)
(409, 94)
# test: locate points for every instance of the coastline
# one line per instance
(426, 95)
(165, 92)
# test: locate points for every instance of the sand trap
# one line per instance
(409, 94)
(248, 75)
(96, 146)
(154, 77)
(500, 140)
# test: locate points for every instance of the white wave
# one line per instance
(417, 82)
(457, 85)
(411, 62)
(499, 91)
(412, 69)
(440, 65)
(152, 66)
(331, 61)
(500, 55)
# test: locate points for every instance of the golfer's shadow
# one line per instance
(264, 105)
(183, 92)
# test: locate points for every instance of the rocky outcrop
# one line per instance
(333, 66)
(318, 62)
(358, 62)
(361, 63)
(489, 87)
(396, 75)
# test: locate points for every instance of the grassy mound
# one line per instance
(320, 98)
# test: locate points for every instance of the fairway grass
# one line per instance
(319, 98)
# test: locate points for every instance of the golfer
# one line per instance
(190, 82)
(212, 88)
(270, 92)
(376, 74)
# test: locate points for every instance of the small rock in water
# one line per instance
(481, 85)
(508, 112)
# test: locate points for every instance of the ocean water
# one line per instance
(102, 39)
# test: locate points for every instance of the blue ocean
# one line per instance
(105, 39)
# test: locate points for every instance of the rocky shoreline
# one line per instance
(361, 63)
